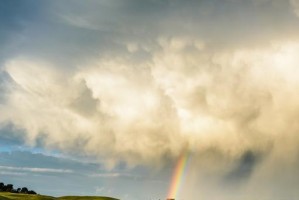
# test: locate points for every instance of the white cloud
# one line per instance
(117, 175)
(31, 169)
(109, 175)
(9, 173)
(140, 82)
(144, 112)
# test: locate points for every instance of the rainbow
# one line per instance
(178, 175)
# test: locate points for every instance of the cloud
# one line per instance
(219, 104)
(184, 96)
(42, 160)
(39, 170)
(295, 5)
(9, 173)
(45, 174)
(138, 82)
(113, 175)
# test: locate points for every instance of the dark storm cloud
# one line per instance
(69, 32)
(5, 85)
(15, 17)
(10, 136)
(244, 169)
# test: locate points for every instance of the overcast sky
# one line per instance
(101, 97)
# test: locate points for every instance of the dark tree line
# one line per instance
(10, 188)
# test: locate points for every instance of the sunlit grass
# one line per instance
(12, 196)
(85, 197)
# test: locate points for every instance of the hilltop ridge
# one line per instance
(13, 196)
(7, 192)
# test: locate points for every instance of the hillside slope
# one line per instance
(11, 196)
(85, 197)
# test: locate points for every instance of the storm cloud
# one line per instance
(139, 82)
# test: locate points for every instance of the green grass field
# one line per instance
(10, 196)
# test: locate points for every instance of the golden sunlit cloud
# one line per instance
(185, 95)
(141, 87)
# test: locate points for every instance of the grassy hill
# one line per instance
(11, 196)
(85, 197)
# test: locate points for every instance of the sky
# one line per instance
(103, 97)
